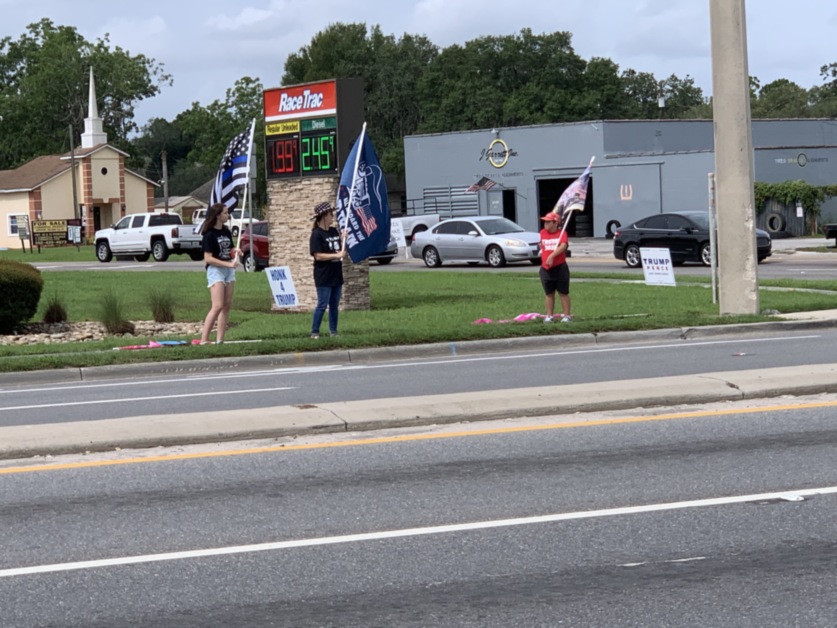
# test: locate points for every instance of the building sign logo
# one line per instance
(497, 153)
(626, 192)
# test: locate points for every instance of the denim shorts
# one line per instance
(214, 274)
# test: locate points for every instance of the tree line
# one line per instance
(411, 86)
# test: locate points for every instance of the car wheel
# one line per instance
(196, 256)
(431, 257)
(632, 257)
(250, 265)
(103, 252)
(706, 255)
(384, 261)
(143, 257)
(159, 251)
(495, 257)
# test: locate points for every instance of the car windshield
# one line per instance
(499, 225)
(700, 219)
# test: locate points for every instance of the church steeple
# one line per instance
(93, 134)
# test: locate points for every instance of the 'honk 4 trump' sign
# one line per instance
(282, 286)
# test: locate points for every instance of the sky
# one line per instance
(207, 46)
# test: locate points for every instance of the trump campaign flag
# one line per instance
(572, 199)
(234, 170)
(362, 205)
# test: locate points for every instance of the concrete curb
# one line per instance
(284, 421)
(401, 352)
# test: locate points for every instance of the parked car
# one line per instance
(388, 254)
(141, 236)
(476, 239)
(685, 234)
(261, 259)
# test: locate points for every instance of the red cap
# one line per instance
(551, 216)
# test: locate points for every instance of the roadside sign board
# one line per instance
(657, 266)
(282, 286)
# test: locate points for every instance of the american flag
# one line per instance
(483, 184)
(234, 170)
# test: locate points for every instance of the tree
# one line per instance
(390, 70)
(208, 130)
(44, 90)
(781, 99)
(824, 97)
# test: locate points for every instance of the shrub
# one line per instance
(111, 315)
(56, 312)
(20, 292)
(162, 305)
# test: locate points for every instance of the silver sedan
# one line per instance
(476, 239)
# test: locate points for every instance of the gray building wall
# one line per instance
(642, 167)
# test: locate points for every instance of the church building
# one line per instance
(43, 189)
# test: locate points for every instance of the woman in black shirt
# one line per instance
(221, 259)
(328, 248)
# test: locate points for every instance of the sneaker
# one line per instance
(315, 336)
(549, 319)
(566, 319)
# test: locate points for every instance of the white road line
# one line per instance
(132, 399)
(397, 364)
(409, 532)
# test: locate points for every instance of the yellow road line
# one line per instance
(413, 437)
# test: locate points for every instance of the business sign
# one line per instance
(308, 127)
(282, 286)
(54, 232)
(657, 266)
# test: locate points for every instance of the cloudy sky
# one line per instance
(206, 46)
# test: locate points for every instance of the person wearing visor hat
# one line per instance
(328, 248)
(554, 272)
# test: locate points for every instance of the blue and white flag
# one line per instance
(362, 204)
(234, 170)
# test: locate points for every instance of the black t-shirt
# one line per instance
(219, 243)
(327, 274)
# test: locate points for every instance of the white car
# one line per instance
(476, 239)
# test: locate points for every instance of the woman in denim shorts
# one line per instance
(221, 259)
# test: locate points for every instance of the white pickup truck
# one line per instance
(148, 235)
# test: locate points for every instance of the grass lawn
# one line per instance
(407, 308)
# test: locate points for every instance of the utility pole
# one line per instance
(73, 169)
(738, 274)
(164, 158)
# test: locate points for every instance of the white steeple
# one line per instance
(93, 132)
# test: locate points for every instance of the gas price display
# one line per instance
(301, 148)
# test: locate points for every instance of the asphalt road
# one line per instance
(562, 360)
(784, 264)
(715, 519)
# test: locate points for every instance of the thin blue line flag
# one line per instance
(233, 171)
(362, 204)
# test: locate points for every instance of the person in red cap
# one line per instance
(554, 272)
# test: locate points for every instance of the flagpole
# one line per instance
(247, 189)
(354, 175)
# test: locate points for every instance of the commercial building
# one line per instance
(641, 167)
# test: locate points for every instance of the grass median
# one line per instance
(407, 308)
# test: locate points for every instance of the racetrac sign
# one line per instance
(312, 100)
